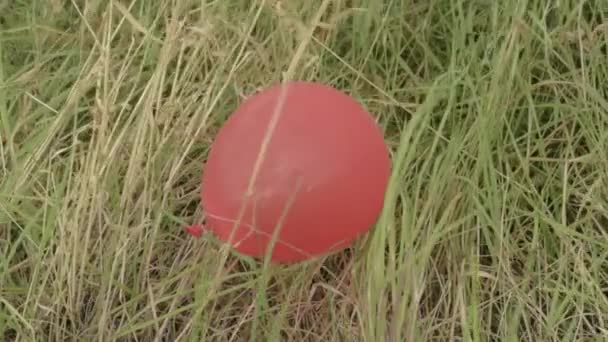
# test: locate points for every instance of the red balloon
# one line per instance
(321, 180)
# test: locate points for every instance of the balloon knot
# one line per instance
(195, 230)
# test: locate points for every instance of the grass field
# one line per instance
(495, 225)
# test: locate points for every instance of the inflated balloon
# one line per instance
(300, 167)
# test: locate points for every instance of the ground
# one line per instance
(495, 220)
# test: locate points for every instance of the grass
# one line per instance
(495, 223)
